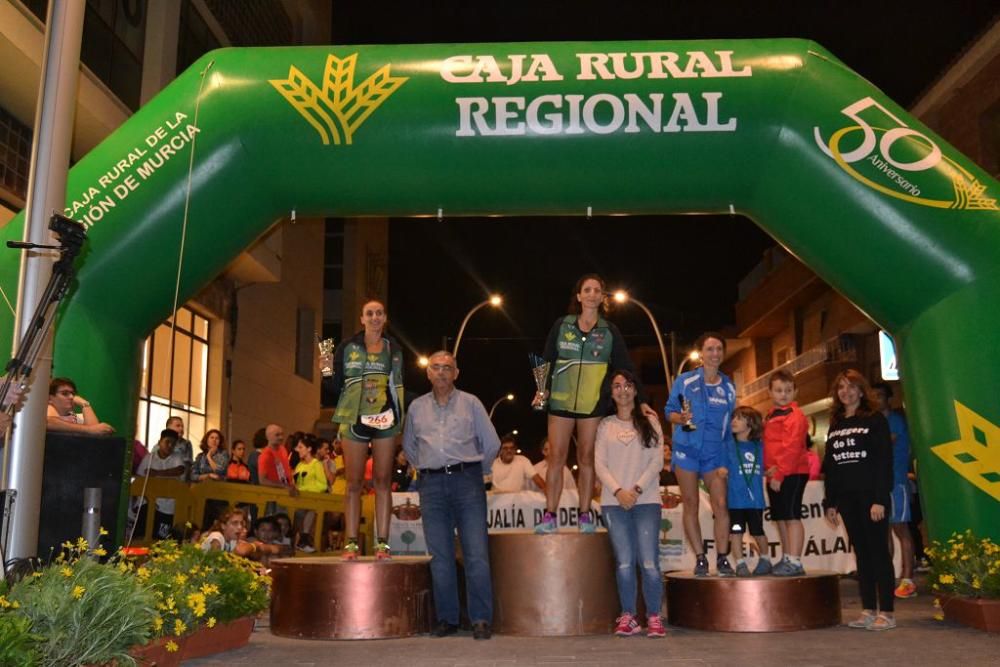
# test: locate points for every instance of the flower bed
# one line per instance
(182, 602)
(965, 575)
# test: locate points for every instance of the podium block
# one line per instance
(323, 597)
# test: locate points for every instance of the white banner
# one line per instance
(824, 549)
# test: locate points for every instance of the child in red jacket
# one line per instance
(787, 468)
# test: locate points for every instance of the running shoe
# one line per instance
(742, 570)
(548, 525)
(626, 625)
(586, 523)
(906, 589)
(723, 568)
(351, 550)
(654, 626)
(763, 568)
(862, 622)
(382, 551)
(882, 622)
(787, 568)
(701, 566)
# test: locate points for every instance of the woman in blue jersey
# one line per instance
(368, 387)
(581, 349)
(700, 407)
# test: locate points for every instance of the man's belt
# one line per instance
(453, 468)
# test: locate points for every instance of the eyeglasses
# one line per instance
(442, 367)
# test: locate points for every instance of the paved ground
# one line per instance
(919, 640)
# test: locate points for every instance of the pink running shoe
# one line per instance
(654, 626)
(626, 625)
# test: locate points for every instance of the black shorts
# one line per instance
(598, 412)
(746, 520)
(786, 503)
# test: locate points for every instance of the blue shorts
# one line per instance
(711, 456)
(900, 510)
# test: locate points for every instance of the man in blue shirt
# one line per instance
(450, 440)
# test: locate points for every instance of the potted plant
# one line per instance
(965, 576)
(206, 601)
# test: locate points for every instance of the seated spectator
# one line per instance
(542, 469)
(285, 532)
(238, 470)
(511, 471)
(267, 538)
(214, 458)
(164, 461)
(63, 415)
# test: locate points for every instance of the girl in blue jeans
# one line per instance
(628, 456)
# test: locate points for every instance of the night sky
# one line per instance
(439, 270)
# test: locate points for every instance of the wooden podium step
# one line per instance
(323, 597)
(755, 604)
(553, 585)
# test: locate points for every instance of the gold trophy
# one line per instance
(540, 371)
(325, 356)
(689, 425)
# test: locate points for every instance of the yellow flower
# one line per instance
(3, 602)
(209, 589)
(937, 603)
(976, 584)
(211, 622)
(142, 573)
(181, 579)
(102, 532)
(100, 551)
(15, 605)
(36, 574)
(158, 623)
(81, 544)
(179, 627)
(78, 592)
(946, 579)
(939, 616)
(66, 572)
(171, 646)
(965, 557)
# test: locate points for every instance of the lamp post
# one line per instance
(496, 301)
(508, 397)
(621, 296)
(693, 356)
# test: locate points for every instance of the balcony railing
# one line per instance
(839, 349)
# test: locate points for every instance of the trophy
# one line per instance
(689, 425)
(325, 356)
(540, 371)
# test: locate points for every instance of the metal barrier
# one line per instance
(191, 500)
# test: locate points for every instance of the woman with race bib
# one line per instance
(700, 407)
(581, 349)
(368, 387)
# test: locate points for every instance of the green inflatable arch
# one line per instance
(777, 130)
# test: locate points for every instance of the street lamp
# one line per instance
(423, 361)
(508, 397)
(621, 296)
(693, 356)
(495, 300)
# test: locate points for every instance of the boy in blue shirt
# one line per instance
(745, 486)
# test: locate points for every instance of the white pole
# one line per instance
(50, 156)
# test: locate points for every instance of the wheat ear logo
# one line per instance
(339, 108)
(976, 454)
